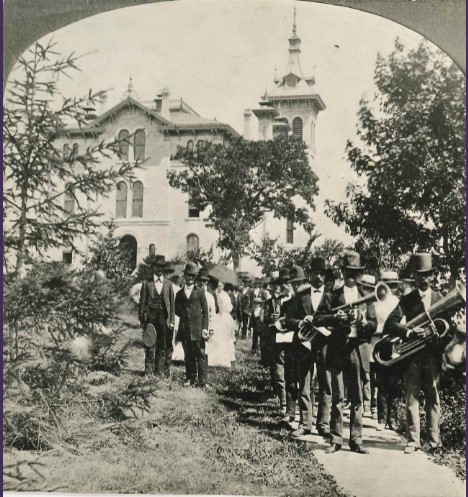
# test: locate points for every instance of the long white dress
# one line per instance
(220, 347)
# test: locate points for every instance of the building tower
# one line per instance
(293, 104)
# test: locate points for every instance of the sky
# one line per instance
(220, 57)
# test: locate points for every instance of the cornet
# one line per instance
(309, 331)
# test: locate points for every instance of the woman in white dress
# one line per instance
(225, 309)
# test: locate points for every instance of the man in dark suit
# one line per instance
(157, 308)
(422, 370)
(348, 352)
(247, 304)
(311, 306)
(192, 309)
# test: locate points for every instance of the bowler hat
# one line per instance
(191, 269)
(296, 274)
(422, 263)
(203, 275)
(283, 275)
(318, 264)
(368, 281)
(389, 277)
(352, 260)
(159, 261)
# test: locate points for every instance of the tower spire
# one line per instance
(294, 21)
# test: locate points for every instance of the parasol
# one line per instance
(224, 274)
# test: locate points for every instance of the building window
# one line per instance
(137, 201)
(139, 146)
(190, 145)
(193, 242)
(200, 144)
(290, 229)
(76, 150)
(123, 144)
(297, 127)
(121, 202)
(152, 250)
(192, 210)
(66, 151)
(69, 203)
(67, 256)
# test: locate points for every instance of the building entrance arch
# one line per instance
(129, 244)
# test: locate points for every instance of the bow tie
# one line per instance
(158, 279)
(317, 291)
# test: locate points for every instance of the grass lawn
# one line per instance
(228, 441)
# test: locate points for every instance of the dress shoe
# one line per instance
(323, 433)
(380, 427)
(411, 449)
(359, 449)
(300, 432)
(333, 448)
(391, 426)
(374, 415)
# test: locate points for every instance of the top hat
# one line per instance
(191, 269)
(203, 275)
(368, 281)
(422, 263)
(352, 260)
(318, 264)
(283, 275)
(389, 277)
(296, 274)
(159, 261)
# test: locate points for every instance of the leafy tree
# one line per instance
(410, 158)
(242, 181)
(37, 178)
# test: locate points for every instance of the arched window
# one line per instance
(152, 250)
(193, 242)
(69, 203)
(139, 145)
(76, 150)
(290, 229)
(190, 145)
(66, 151)
(200, 143)
(121, 202)
(137, 200)
(129, 247)
(123, 144)
(297, 127)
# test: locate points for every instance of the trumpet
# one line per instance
(391, 350)
(308, 332)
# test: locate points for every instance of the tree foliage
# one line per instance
(410, 158)
(37, 177)
(241, 181)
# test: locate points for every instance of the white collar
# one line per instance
(155, 278)
(317, 290)
(426, 293)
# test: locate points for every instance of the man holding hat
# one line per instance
(192, 309)
(422, 369)
(157, 308)
(348, 353)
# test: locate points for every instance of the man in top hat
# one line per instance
(284, 361)
(386, 378)
(311, 306)
(192, 309)
(348, 353)
(422, 370)
(157, 308)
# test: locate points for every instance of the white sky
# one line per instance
(220, 55)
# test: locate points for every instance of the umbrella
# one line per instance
(224, 274)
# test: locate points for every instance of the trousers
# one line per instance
(196, 364)
(286, 377)
(158, 359)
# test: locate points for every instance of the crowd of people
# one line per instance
(309, 330)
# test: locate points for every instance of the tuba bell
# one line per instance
(308, 332)
(391, 350)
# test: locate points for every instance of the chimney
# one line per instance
(247, 118)
(162, 103)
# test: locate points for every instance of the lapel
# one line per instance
(340, 296)
(307, 302)
(151, 288)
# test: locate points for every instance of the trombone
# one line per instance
(391, 350)
(308, 332)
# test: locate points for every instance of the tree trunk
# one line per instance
(235, 261)
(453, 276)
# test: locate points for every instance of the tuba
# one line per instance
(308, 332)
(391, 350)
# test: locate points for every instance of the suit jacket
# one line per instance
(247, 301)
(301, 306)
(147, 293)
(193, 314)
(340, 347)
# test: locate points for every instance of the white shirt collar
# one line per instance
(350, 294)
(317, 290)
(155, 278)
(426, 293)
